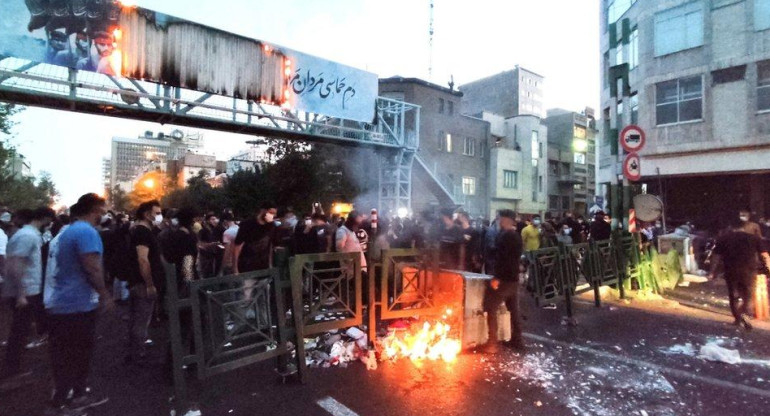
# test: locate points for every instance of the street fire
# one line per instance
(423, 340)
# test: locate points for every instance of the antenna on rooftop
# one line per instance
(430, 43)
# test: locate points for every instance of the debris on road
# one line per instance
(713, 352)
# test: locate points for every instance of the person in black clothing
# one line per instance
(451, 243)
(254, 245)
(739, 254)
(600, 229)
(210, 247)
(472, 240)
(504, 287)
(146, 276)
(573, 226)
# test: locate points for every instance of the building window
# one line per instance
(469, 185)
(616, 9)
(553, 202)
(761, 14)
(469, 147)
(536, 145)
(451, 107)
(580, 158)
(441, 106)
(619, 53)
(679, 100)
(679, 28)
(448, 144)
(540, 183)
(606, 65)
(580, 132)
(553, 168)
(565, 203)
(441, 140)
(482, 148)
(634, 104)
(763, 86)
(565, 168)
(633, 49)
(510, 179)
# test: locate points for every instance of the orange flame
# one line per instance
(424, 341)
(116, 62)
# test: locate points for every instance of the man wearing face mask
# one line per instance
(22, 289)
(285, 231)
(146, 277)
(747, 226)
(254, 242)
(565, 235)
(77, 292)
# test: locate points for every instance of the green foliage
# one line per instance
(17, 191)
(119, 200)
(298, 176)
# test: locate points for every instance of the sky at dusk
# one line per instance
(558, 39)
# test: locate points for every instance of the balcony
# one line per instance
(569, 179)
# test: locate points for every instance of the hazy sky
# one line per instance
(558, 39)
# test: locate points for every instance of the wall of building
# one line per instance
(571, 184)
(510, 93)
(733, 134)
(514, 152)
(438, 120)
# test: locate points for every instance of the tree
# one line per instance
(119, 199)
(17, 191)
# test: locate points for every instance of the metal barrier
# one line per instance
(327, 295)
(405, 283)
(224, 323)
(559, 271)
(547, 265)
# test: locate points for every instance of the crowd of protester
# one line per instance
(58, 269)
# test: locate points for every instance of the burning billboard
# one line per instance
(108, 37)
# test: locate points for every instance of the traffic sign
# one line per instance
(632, 138)
(632, 167)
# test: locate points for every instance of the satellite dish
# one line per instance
(648, 207)
(177, 134)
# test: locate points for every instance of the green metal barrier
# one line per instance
(224, 323)
(327, 295)
(559, 271)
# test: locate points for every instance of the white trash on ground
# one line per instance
(714, 352)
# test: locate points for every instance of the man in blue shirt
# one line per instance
(77, 292)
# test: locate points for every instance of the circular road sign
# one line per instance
(632, 168)
(632, 138)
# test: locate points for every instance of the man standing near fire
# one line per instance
(504, 287)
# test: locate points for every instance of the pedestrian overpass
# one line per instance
(162, 69)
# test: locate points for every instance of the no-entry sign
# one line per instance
(632, 167)
(632, 138)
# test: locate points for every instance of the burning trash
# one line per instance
(422, 340)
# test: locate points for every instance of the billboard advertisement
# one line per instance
(106, 37)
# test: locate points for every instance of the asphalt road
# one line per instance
(617, 360)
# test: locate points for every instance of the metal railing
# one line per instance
(560, 271)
